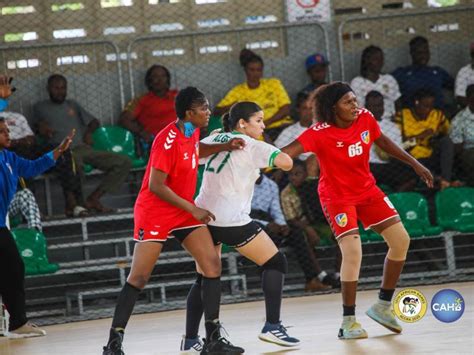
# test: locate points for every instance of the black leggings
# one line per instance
(12, 279)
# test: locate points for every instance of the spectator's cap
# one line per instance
(315, 59)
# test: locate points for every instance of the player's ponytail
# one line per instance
(226, 122)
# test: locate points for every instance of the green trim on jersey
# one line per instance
(271, 160)
(237, 132)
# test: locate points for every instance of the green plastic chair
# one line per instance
(455, 208)
(413, 210)
(32, 247)
(118, 140)
(369, 236)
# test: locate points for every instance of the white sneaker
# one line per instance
(191, 346)
(350, 329)
(381, 312)
(27, 330)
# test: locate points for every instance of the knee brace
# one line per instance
(398, 241)
(277, 262)
(351, 258)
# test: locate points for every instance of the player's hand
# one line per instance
(5, 87)
(64, 145)
(235, 144)
(284, 230)
(424, 174)
(203, 215)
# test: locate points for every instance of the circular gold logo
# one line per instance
(409, 305)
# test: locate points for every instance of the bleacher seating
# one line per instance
(455, 209)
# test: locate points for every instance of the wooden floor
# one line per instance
(314, 319)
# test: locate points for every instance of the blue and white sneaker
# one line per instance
(277, 334)
(191, 346)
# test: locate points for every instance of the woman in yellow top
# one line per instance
(267, 93)
(428, 129)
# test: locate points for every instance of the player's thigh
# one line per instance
(260, 249)
(145, 255)
(200, 245)
(378, 214)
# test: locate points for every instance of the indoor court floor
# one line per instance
(313, 319)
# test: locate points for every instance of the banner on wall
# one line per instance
(308, 10)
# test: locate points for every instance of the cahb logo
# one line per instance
(341, 219)
(365, 136)
(447, 305)
(409, 305)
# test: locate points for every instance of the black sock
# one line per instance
(386, 295)
(349, 310)
(211, 299)
(194, 309)
(272, 285)
(125, 303)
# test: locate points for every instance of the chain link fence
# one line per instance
(104, 49)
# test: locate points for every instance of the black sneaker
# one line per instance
(114, 347)
(220, 345)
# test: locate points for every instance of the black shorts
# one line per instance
(235, 237)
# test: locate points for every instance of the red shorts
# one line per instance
(343, 217)
(164, 228)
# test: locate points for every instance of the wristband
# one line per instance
(3, 104)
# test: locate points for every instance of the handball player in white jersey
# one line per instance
(227, 190)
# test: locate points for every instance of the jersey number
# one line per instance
(355, 149)
(221, 165)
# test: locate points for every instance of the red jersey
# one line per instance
(343, 155)
(178, 157)
(153, 112)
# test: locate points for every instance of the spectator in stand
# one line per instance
(267, 93)
(55, 117)
(464, 78)
(386, 170)
(420, 75)
(148, 114)
(25, 144)
(295, 215)
(266, 210)
(371, 78)
(462, 135)
(317, 68)
(429, 127)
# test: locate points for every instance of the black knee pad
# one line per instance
(277, 262)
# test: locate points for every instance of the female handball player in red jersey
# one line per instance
(341, 141)
(164, 208)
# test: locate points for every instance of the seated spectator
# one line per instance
(429, 128)
(317, 68)
(304, 119)
(388, 171)
(371, 78)
(266, 210)
(267, 93)
(24, 203)
(148, 114)
(25, 144)
(420, 75)
(55, 117)
(462, 135)
(296, 217)
(464, 78)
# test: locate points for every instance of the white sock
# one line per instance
(322, 275)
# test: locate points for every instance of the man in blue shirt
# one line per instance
(420, 75)
(12, 269)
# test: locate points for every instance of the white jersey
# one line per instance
(229, 178)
